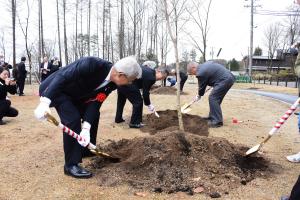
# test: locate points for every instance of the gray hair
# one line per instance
(130, 67)
(150, 64)
(190, 66)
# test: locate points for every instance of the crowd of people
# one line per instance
(12, 81)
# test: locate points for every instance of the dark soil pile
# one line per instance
(166, 91)
(173, 161)
(168, 120)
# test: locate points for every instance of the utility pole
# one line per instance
(251, 40)
(252, 7)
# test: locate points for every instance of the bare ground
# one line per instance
(31, 155)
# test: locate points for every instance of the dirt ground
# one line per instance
(31, 154)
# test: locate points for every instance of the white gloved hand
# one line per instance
(196, 98)
(151, 108)
(42, 108)
(85, 134)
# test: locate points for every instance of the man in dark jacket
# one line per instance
(22, 73)
(77, 92)
(132, 93)
(217, 76)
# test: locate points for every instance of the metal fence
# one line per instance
(291, 82)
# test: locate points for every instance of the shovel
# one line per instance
(186, 107)
(71, 133)
(277, 126)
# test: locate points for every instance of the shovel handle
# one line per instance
(284, 117)
(67, 130)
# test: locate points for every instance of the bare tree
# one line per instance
(272, 40)
(177, 9)
(2, 45)
(89, 28)
(58, 28)
(292, 25)
(200, 18)
(14, 12)
(121, 31)
(65, 33)
(25, 34)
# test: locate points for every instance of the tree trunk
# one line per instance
(89, 29)
(76, 31)
(121, 31)
(14, 10)
(65, 34)
(58, 28)
(42, 29)
(174, 40)
(103, 30)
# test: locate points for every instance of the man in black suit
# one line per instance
(77, 92)
(132, 93)
(22, 73)
(45, 67)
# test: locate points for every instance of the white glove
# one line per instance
(151, 108)
(85, 134)
(42, 108)
(196, 98)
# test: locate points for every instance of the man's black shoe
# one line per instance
(136, 125)
(119, 121)
(21, 94)
(212, 124)
(2, 122)
(77, 172)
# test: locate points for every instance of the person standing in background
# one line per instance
(22, 73)
(45, 68)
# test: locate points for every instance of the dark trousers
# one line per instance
(182, 82)
(70, 115)
(295, 194)
(216, 97)
(6, 110)
(132, 93)
(21, 84)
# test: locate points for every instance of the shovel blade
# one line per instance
(184, 107)
(253, 150)
(186, 110)
(106, 156)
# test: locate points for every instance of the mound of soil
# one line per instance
(166, 91)
(174, 161)
(168, 120)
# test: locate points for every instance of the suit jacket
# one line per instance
(210, 74)
(145, 83)
(21, 71)
(79, 81)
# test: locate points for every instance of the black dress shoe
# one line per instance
(2, 122)
(212, 124)
(21, 95)
(77, 172)
(136, 125)
(119, 121)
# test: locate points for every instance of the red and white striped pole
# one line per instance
(283, 119)
(74, 135)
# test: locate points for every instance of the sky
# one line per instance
(229, 27)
